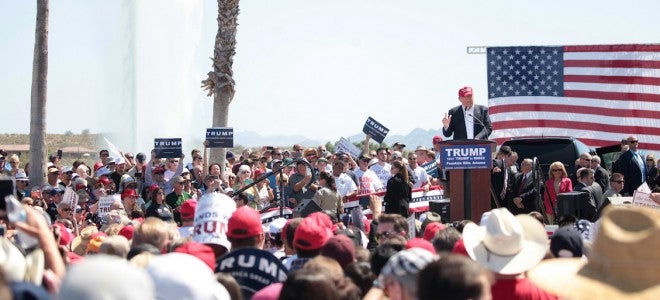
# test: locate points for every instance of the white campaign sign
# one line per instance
(104, 204)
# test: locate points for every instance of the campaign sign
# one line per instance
(220, 137)
(466, 157)
(344, 145)
(104, 204)
(167, 148)
(431, 169)
(374, 129)
(253, 269)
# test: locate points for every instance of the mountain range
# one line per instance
(413, 139)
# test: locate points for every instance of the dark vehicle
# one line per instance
(548, 150)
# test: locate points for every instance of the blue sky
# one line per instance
(314, 68)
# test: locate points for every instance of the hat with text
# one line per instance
(465, 91)
(211, 217)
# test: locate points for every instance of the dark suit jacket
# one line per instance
(497, 182)
(397, 196)
(482, 125)
(528, 193)
(602, 178)
(632, 174)
(588, 208)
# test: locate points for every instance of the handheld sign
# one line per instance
(344, 145)
(104, 204)
(376, 130)
(167, 148)
(431, 168)
(466, 157)
(220, 137)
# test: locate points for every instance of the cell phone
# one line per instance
(138, 175)
(59, 153)
(269, 148)
(7, 187)
(3, 229)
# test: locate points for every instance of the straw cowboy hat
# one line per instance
(506, 244)
(623, 263)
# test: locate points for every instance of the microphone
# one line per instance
(475, 118)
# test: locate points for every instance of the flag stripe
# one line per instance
(592, 102)
(591, 142)
(636, 80)
(611, 56)
(614, 48)
(654, 73)
(562, 108)
(612, 64)
(614, 96)
(612, 88)
(577, 125)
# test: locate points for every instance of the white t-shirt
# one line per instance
(383, 172)
(368, 180)
(420, 176)
(345, 184)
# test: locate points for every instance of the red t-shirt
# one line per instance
(519, 288)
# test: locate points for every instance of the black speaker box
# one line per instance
(442, 208)
(570, 203)
(305, 208)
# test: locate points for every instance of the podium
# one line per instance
(469, 163)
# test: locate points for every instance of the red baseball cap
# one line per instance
(258, 173)
(431, 229)
(420, 243)
(245, 222)
(157, 170)
(437, 138)
(313, 232)
(104, 180)
(188, 209)
(129, 193)
(127, 232)
(202, 251)
(465, 91)
(97, 166)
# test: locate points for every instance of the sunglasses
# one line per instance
(174, 161)
(386, 234)
(556, 170)
(129, 157)
(633, 142)
(619, 181)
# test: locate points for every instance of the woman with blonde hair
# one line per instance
(558, 182)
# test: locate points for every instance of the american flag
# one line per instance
(599, 94)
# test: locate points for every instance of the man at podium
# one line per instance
(467, 121)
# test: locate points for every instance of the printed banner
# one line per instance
(466, 157)
(376, 130)
(104, 204)
(168, 148)
(420, 200)
(220, 137)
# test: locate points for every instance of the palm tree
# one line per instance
(220, 82)
(39, 96)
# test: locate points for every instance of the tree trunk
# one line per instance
(39, 96)
(220, 82)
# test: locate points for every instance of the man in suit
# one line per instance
(501, 178)
(586, 184)
(467, 121)
(602, 176)
(526, 196)
(631, 165)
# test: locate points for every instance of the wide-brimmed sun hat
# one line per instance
(506, 244)
(623, 263)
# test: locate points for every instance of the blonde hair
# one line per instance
(113, 229)
(141, 260)
(557, 165)
(153, 231)
(115, 245)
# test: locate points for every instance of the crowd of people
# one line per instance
(139, 227)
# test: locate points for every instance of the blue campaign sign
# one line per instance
(466, 157)
(374, 129)
(220, 137)
(167, 148)
(431, 169)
